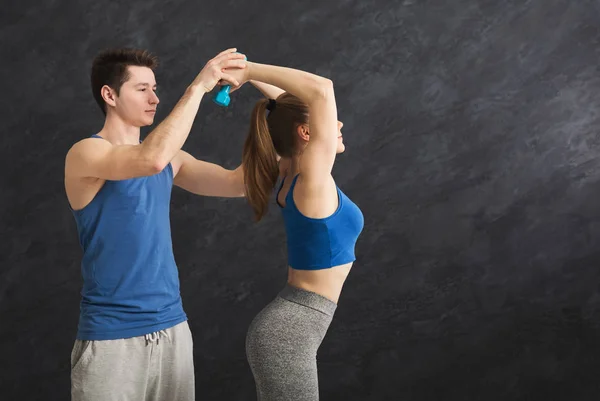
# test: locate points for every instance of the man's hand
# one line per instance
(223, 68)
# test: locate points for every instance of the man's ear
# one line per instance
(109, 95)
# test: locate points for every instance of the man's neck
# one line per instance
(118, 132)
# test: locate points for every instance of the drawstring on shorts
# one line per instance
(155, 336)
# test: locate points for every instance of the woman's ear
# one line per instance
(303, 132)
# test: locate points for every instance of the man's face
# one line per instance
(137, 100)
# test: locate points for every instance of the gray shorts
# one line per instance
(155, 367)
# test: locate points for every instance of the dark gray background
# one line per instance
(471, 129)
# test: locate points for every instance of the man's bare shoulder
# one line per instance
(84, 150)
(89, 145)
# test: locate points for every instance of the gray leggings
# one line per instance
(282, 344)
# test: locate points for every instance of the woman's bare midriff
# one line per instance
(325, 282)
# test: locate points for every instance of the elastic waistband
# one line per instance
(308, 299)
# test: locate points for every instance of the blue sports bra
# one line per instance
(315, 244)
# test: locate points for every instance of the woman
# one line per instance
(322, 225)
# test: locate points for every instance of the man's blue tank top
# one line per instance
(130, 279)
(315, 244)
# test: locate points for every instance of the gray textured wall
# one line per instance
(471, 134)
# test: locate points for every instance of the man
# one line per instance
(133, 340)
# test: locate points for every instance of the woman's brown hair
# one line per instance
(270, 135)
